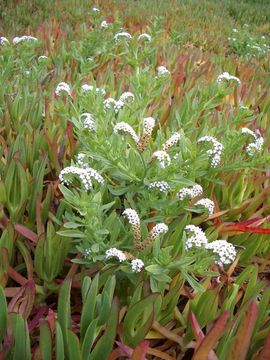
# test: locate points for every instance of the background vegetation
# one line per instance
(60, 297)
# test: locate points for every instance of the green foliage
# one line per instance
(79, 279)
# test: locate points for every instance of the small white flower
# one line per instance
(42, 58)
(191, 193)
(226, 77)
(132, 216)
(3, 41)
(235, 30)
(215, 152)
(122, 36)
(207, 204)
(95, 9)
(85, 174)
(162, 157)
(173, 140)
(126, 129)
(104, 24)
(137, 265)
(145, 37)
(255, 146)
(196, 237)
(109, 103)
(148, 126)
(162, 72)
(85, 88)
(127, 98)
(158, 230)
(88, 122)
(113, 252)
(25, 38)
(87, 252)
(161, 186)
(90, 59)
(62, 87)
(225, 251)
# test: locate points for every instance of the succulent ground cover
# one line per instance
(134, 180)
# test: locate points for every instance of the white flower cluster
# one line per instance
(148, 126)
(87, 252)
(226, 77)
(104, 24)
(196, 237)
(42, 58)
(225, 251)
(132, 216)
(214, 154)
(3, 41)
(173, 140)
(25, 38)
(161, 186)
(113, 252)
(62, 87)
(162, 157)
(145, 37)
(158, 230)
(126, 129)
(85, 88)
(88, 122)
(122, 36)
(137, 265)
(207, 204)
(256, 145)
(162, 72)
(125, 99)
(191, 193)
(81, 160)
(85, 175)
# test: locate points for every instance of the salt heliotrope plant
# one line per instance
(133, 187)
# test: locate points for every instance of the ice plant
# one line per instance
(161, 186)
(126, 129)
(62, 87)
(215, 152)
(162, 157)
(196, 237)
(115, 253)
(224, 251)
(226, 77)
(148, 127)
(207, 204)
(190, 193)
(85, 174)
(135, 223)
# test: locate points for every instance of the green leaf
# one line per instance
(3, 314)
(45, 341)
(104, 345)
